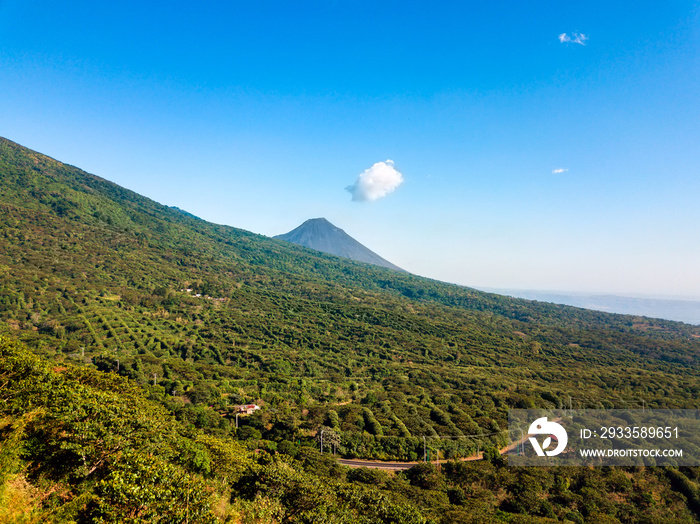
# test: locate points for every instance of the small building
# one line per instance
(248, 409)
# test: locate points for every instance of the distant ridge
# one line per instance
(321, 235)
(686, 310)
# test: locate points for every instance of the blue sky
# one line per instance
(528, 160)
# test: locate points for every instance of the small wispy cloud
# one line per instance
(559, 170)
(575, 38)
(376, 182)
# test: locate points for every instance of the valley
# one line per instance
(109, 295)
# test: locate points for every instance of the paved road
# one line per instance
(376, 465)
(407, 465)
(355, 463)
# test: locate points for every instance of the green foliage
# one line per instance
(124, 459)
(143, 488)
(96, 433)
(133, 377)
(306, 498)
(425, 476)
(333, 419)
(373, 477)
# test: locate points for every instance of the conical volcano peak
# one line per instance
(319, 222)
(321, 235)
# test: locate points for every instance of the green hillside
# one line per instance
(96, 277)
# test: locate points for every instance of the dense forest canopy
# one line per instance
(134, 311)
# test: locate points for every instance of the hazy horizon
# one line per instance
(680, 309)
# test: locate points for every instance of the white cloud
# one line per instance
(575, 38)
(559, 170)
(376, 182)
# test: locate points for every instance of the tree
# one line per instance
(329, 437)
(333, 420)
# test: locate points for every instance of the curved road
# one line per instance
(358, 463)
(376, 465)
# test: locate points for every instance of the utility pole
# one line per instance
(520, 444)
(117, 365)
(322, 441)
(155, 377)
(237, 420)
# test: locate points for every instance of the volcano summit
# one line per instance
(321, 235)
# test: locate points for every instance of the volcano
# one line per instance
(321, 235)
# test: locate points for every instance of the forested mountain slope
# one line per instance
(98, 276)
